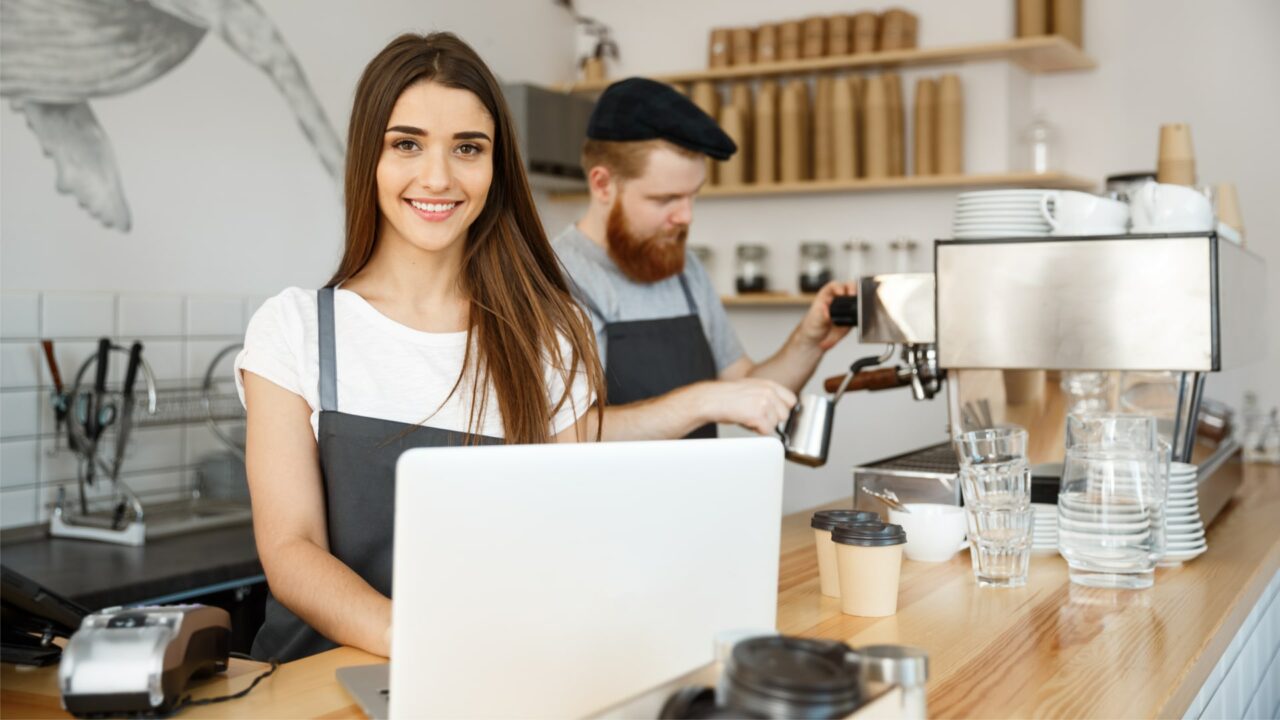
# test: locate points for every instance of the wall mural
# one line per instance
(60, 54)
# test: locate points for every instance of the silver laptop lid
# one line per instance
(555, 580)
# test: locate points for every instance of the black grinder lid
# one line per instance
(795, 670)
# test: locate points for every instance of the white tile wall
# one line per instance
(154, 449)
(166, 359)
(201, 441)
(20, 364)
(200, 353)
(145, 316)
(83, 315)
(211, 315)
(18, 507)
(153, 484)
(18, 462)
(180, 335)
(20, 413)
(19, 314)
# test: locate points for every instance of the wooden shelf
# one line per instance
(1047, 54)
(767, 299)
(1056, 181)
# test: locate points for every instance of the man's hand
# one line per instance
(754, 403)
(816, 328)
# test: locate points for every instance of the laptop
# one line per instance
(556, 580)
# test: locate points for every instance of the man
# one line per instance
(673, 364)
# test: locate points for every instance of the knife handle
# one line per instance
(131, 372)
(100, 371)
(52, 361)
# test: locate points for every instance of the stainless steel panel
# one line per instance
(896, 308)
(926, 475)
(1125, 303)
(1242, 306)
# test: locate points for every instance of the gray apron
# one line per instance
(648, 358)
(357, 460)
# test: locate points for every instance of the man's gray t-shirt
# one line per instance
(614, 297)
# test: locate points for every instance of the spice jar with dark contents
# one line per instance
(815, 266)
(751, 276)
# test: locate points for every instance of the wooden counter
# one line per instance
(1050, 649)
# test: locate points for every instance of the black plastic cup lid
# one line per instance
(869, 534)
(795, 669)
(828, 519)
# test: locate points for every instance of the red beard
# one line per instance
(644, 259)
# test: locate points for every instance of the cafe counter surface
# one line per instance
(1050, 649)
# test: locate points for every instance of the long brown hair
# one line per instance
(520, 302)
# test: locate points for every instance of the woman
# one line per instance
(448, 305)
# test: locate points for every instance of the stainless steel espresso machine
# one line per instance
(1029, 330)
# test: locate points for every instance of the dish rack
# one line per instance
(190, 405)
(119, 516)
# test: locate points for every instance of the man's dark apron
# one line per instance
(358, 460)
(647, 358)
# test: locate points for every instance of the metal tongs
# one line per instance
(888, 497)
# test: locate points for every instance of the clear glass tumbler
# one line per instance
(1111, 515)
(996, 482)
(1105, 431)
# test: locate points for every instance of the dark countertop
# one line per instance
(99, 575)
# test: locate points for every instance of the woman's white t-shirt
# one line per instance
(384, 369)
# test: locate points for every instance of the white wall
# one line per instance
(1214, 65)
(226, 194)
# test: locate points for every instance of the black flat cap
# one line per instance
(643, 109)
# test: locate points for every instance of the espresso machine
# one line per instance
(1029, 330)
(897, 310)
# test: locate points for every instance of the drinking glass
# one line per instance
(1111, 515)
(995, 480)
(1112, 431)
(1086, 390)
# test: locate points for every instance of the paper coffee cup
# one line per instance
(822, 523)
(869, 560)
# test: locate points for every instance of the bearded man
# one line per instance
(674, 365)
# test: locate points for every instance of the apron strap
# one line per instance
(328, 355)
(688, 295)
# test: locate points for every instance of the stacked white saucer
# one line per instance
(1044, 534)
(999, 213)
(1184, 529)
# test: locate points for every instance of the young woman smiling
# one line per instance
(448, 322)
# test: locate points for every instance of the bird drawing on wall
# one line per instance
(58, 55)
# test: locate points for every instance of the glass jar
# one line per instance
(1086, 390)
(1038, 141)
(1271, 439)
(751, 275)
(815, 266)
(902, 249)
(855, 259)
